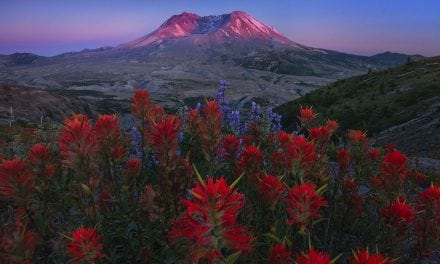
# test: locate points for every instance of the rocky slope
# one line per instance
(33, 105)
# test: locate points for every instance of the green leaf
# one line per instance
(272, 237)
(321, 189)
(199, 177)
(236, 181)
(232, 258)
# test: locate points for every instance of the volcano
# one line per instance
(237, 26)
(183, 59)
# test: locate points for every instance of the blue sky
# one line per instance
(49, 27)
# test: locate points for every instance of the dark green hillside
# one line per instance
(400, 105)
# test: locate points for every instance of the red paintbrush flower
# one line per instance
(85, 246)
(419, 177)
(394, 170)
(427, 224)
(321, 133)
(399, 213)
(17, 243)
(313, 257)
(374, 154)
(364, 257)
(281, 161)
(303, 204)
(16, 183)
(271, 189)
(210, 221)
(343, 157)
(108, 134)
(332, 126)
(357, 137)
(157, 114)
(39, 156)
(77, 143)
(251, 161)
(212, 111)
(193, 121)
(132, 169)
(279, 254)
(141, 104)
(429, 200)
(164, 138)
(231, 146)
(302, 152)
(210, 129)
(283, 138)
(306, 115)
(349, 185)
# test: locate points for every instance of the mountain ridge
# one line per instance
(219, 28)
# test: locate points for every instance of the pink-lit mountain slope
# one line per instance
(213, 30)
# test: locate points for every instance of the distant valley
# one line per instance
(185, 57)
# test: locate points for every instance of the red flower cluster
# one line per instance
(374, 154)
(132, 170)
(85, 246)
(210, 221)
(231, 146)
(394, 171)
(332, 126)
(77, 143)
(428, 224)
(17, 243)
(398, 214)
(321, 133)
(108, 136)
(141, 104)
(343, 157)
(164, 138)
(306, 115)
(283, 138)
(429, 200)
(16, 182)
(313, 257)
(250, 162)
(303, 204)
(364, 257)
(302, 153)
(271, 189)
(193, 121)
(280, 254)
(357, 137)
(39, 157)
(210, 129)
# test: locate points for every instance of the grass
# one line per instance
(375, 101)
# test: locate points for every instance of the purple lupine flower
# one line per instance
(136, 142)
(255, 114)
(198, 106)
(181, 136)
(274, 120)
(233, 121)
(220, 97)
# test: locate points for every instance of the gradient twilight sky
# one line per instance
(50, 27)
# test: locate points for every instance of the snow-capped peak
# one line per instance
(220, 28)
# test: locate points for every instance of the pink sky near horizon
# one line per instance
(49, 27)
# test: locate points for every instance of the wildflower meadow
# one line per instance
(210, 185)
